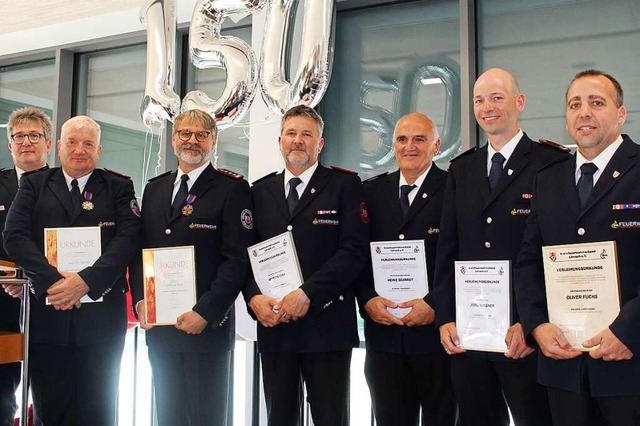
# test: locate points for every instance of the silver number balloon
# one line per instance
(208, 49)
(160, 102)
(316, 54)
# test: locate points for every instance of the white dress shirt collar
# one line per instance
(305, 177)
(600, 161)
(418, 183)
(506, 150)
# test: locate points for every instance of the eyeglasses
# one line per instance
(185, 135)
(33, 137)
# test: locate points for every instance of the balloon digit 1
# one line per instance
(160, 102)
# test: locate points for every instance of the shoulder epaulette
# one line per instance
(467, 152)
(118, 174)
(371, 179)
(555, 145)
(160, 175)
(230, 173)
(343, 170)
(45, 167)
(263, 178)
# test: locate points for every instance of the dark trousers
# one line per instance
(570, 408)
(484, 388)
(192, 389)
(326, 377)
(400, 384)
(75, 385)
(9, 381)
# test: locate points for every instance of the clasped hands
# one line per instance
(421, 313)
(66, 293)
(271, 312)
(63, 295)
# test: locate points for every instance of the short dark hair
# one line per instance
(29, 115)
(204, 118)
(618, 95)
(303, 111)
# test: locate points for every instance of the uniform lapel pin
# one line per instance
(313, 190)
(424, 195)
(510, 172)
(616, 174)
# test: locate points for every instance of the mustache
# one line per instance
(191, 146)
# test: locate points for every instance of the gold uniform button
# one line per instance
(167, 231)
(581, 231)
(289, 227)
(487, 244)
(489, 220)
(401, 236)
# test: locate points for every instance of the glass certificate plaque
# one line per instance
(169, 281)
(275, 265)
(483, 307)
(72, 250)
(399, 271)
(582, 285)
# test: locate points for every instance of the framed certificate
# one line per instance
(169, 280)
(275, 265)
(73, 249)
(399, 271)
(582, 285)
(483, 304)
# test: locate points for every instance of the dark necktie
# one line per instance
(585, 183)
(292, 196)
(404, 198)
(76, 197)
(181, 196)
(496, 169)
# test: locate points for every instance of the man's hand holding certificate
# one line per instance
(581, 282)
(275, 266)
(71, 250)
(400, 278)
(170, 288)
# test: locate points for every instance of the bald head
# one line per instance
(418, 117)
(497, 101)
(495, 75)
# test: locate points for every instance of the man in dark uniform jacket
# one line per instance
(310, 332)
(75, 349)
(191, 361)
(480, 223)
(406, 367)
(29, 135)
(589, 197)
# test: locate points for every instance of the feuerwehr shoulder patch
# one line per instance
(135, 208)
(246, 218)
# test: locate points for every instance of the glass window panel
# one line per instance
(22, 85)
(545, 54)
(233, 142)
(110, 90)
(390, 61)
